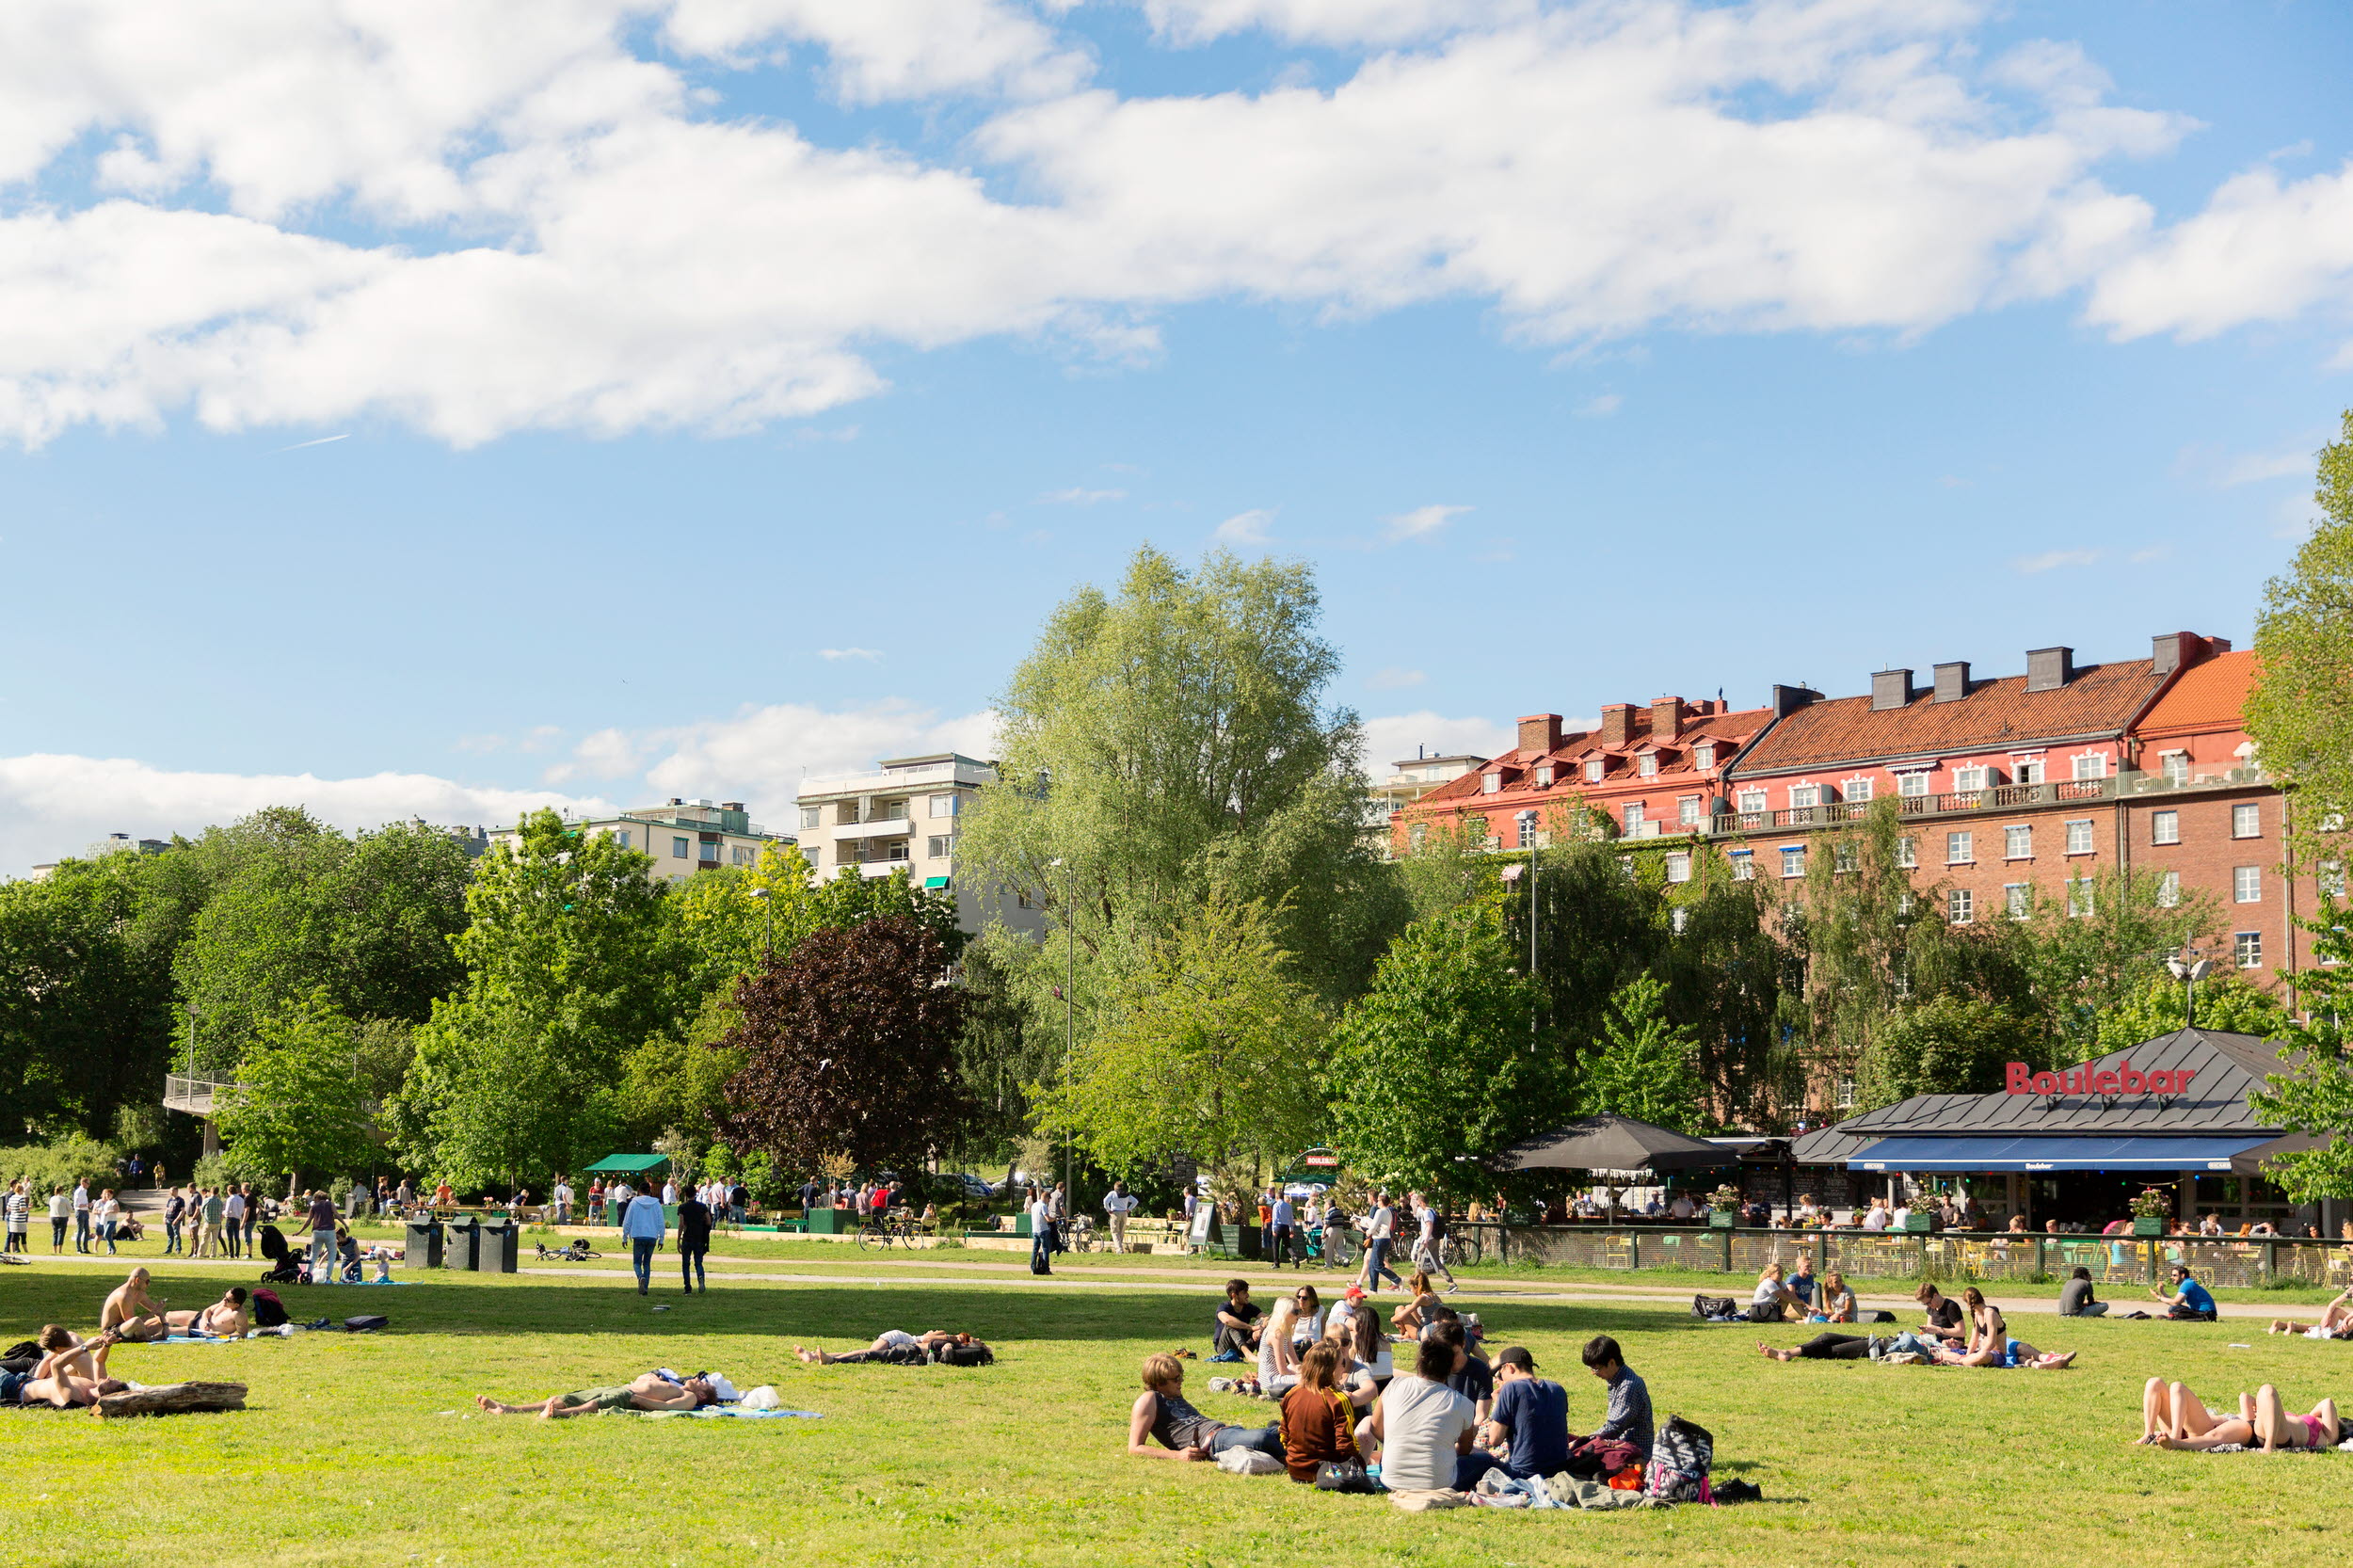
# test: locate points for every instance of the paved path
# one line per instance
(901, 1275)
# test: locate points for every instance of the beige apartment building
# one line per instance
(901, 815)
(684, 837)
(1409, 779)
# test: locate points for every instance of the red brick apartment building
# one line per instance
(2010, 788)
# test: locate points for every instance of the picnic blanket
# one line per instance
(737, 1411)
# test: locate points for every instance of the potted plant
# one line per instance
(2150, 1210)
(1723, 1207)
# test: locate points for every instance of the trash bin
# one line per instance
(496, 1254)
(462, 1249)
(424, 1245)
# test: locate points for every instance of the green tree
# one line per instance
(1432, 1070)
(1645, 1063)
(1950, 1045)
(2226, 1003)
(677, 1086)
(2097, 946)
(2301, 711)
(2316, 1095)
(300, 1102)
(570, 962)
(1215, 1054)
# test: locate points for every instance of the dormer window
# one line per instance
(1543, 776)
(1648, 764)
(1491, 783)
(1703, 756)
(1592, 770)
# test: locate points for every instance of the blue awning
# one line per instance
(2051, 1152)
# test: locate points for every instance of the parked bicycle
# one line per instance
(578, 1251)
(896, 1229)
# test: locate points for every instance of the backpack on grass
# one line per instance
(268, 1311)
(1679, 1461)
(963, 1355)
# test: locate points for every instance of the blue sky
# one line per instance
(723, 390)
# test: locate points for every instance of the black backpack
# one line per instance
(952, 1354)
(268, 1311)
(1714, 1306)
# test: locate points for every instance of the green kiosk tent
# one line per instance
(629, 1164)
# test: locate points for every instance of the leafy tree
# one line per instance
(2225, 1002)
(2301, 711)
(1433, 1069)
(1730, 980)
(678, 1086)
(1214, 1055)
(2316, 1095)
(2098, 946)
(849, 1050)
(570, 962)
(730, 915)
(1950, 1045)
(1642, 1065)
(852, 897)
(300, 1102)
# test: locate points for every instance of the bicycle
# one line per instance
(895, 1230)
(578, 1251)
(1078, 1234)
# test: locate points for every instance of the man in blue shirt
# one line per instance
(1531, 1414)
(1629, 1416)
(2187, 1299)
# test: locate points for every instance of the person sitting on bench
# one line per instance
(1161, 1412)
(2187, 1299)
(648, 1391)
(888, 1340)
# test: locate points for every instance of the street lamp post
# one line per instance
(2189, 973)
(1070, 984)
(768, 944)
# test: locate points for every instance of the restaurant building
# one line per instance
(2078, 1145)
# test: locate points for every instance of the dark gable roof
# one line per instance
(2227, 1068)
(2100, 701)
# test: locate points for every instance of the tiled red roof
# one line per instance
(2206, 696)
(2101, 700)
(1727, 732)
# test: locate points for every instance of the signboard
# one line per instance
(1319, 1159)
(1203, 1217)
(2018, 1079)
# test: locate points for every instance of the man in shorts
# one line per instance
(648, 1391)
(131, 1313)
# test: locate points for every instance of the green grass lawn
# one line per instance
(362, 1450)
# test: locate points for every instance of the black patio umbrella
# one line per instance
(1613, 1143)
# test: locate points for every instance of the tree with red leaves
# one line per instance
(851, 1040)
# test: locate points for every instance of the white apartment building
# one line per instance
(901, 815)
(1410, 779)
(684, 837)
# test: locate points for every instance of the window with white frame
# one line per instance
(2091, 764)
(1702, 755)
(1543, 776)
(1751, 800)
(1526, 822)
(1593, 770)
(941, 845)
(2174, 767)
(738, 854)
(2332, 878)
(2247, 885)
(2079, 836)
(1792, 860)
(2168, 889)
(1743, 865)
(678, 848)
(1961, 906)
(2165, 827)
(1687, 812)
(1678, 868)
(1960, 849)
(1969, 781)
(1489, 784)
(1857, 791)
(1907, 851)
(812, 816)
(1803, 795)
(1845, 857)
(2017, 899)
(2026, 770)
(2079, 897)
(1912, 785)
(1903, 906)
(1648, 764)
(1843, 1100)
(945, 805)
(620, 836)
(710, 851)
(808, 851)
(1625, 867)
(1633, 818)
(1677, 919)
(2247, 949)
(1417, 835)
(2018, 843)
(2247, 821)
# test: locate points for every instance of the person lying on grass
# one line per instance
(2173, 1417)
(84, 1358)
(131, 1313)
(1990, 1344)
(928, 1342)
(1163, 1412)
(52, 1382)
(2336, 1321)
(648, 1391)
(224, 1320)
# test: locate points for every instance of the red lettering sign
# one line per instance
(2018, 1079)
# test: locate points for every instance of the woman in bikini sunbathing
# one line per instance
(2336, 1321)
(1990, 1344)
(889, 1339)
(2279, 1426)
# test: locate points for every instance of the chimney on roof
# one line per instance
(2049, 669)
(1666, 718)
(2173, 651)
(1952, 681)
(1890, 689)
(1617, 723)
(677, 801)
(1788, 699)
(730, 806)
(1539, 733)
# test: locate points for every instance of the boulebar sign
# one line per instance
(2020, 1080)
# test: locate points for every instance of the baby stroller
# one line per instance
(283, 1269)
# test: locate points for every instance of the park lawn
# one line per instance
(362, 1450)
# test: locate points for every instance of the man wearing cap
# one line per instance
(1531, 1415)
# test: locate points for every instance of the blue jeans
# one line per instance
(324, 1258)
(1267, 1439)
(81, 1230)
(106, 1233)
(171, 1238)
(1377, 1264)
(1041, 1252)
(641, 1260)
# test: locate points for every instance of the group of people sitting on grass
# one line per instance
(133, 1313)
(1970, 1332)
(2173, 1417)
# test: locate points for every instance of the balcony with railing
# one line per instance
(1994, 797)
(192, 1095)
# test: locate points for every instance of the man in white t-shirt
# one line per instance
(1427, 1256)
(1118, 1204)
(81, 1216)
(563, 1195)
(1379, 1235)
(1041, 1233)
(232, 1223)
(1877, 1217)
(616, 1201)
(1423, 1426)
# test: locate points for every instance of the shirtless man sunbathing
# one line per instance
(224, 1320)
(131, 1313)
(85, 1358)
(889, 1339)
(53, 1382)
(648, 1391)
(2336, 1321)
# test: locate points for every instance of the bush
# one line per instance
(217, 1170)
(44, 1167)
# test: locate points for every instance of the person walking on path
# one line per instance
(1118, 1204)
(104, 1214)
(694, 1241)
(1428, 1239)
(644, 1224)
(20, 1208)
(1379, 1235)
(60, 1214)
(208, 1237)
(175, 1210)
(563, 1195)
(1282, 1226)
(1041, 1234)
(81, 1215)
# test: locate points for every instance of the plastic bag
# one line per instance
(1249, 1461)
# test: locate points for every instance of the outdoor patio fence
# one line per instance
(1908, 1254)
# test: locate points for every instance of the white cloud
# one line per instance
(1420, 523)
(1394, 678)
(1245, 528)
(53, 806)
(2257, 467)
(761, 753)
(481, 220)
(2153, 553)
(1077, 497)
(1601, 407)
(832, 655)
(2051, 560)
(1393, 737)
